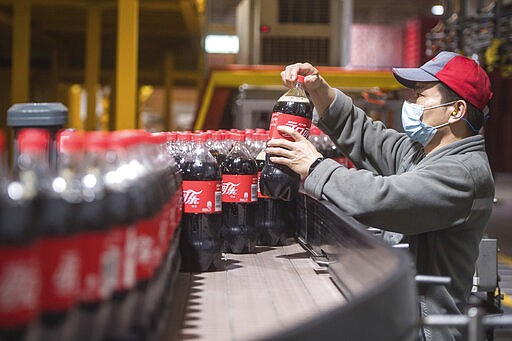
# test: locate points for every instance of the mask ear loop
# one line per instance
(470, 125)
(487, 116)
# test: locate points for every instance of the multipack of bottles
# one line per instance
(224, 207)
(224, 210)
(88, 247)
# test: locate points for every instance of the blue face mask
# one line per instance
(414, 128)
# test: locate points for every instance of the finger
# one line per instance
(279, 152)
(291, 72)
(311, 78)
(280, 160)
(292, 132)
(286, 79)
(305, 69)
(283, 143)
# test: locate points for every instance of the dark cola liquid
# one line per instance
(100, 259)
(200, 242)
(59, 241)
(218, 155)
(123, 216)
(278, 181)
(238, 226)
(271, 221)
(299, 107)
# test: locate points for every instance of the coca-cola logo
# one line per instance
(19, 286)
(229, 188)
(274, 120)
(66, 277)
(303, 130)
(130, 253)
(191, 197)
(299, 124)
(144, 247)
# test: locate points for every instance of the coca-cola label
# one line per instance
(178, 208)
(100, 265)
(261, 196)
(239, 188)
(129, 258)
(164, 227)
(20, 285)
(61, 272)
(298, 123)
(156, 252)
(202, 196)
(117, 238)
(175, 213)
(147, 246)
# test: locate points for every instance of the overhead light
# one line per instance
(437, 10)
(217, 43)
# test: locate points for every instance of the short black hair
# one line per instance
(473, 115)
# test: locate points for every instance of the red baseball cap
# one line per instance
(461, 74)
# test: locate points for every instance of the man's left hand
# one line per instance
(298, 155)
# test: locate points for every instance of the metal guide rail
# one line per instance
(339, 282)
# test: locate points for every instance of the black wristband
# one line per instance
(314, 164)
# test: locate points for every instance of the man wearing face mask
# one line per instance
(432, 183)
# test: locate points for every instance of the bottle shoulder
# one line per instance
(239, 164)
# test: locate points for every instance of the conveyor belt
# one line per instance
(256, 296)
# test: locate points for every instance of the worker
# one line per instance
(432, 183)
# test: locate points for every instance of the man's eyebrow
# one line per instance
(420, 87)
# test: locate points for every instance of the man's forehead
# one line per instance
(425, 85)
(421, 86)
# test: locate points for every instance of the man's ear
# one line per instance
(459, 111)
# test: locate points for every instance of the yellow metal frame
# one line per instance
(20, 73)
(339, 78)
(127, 64)
(92, 63)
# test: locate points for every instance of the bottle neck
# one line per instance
(32, 161)
(239, 147)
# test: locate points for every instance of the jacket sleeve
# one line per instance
(368, 144)
(425, 199)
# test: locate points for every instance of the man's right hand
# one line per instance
(321, 93)
(310, 73)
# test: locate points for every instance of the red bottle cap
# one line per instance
(261, 136)
(33, 140)
(171, 136)
(97, 140)
(70, 141)
(123, 139)
(158, 138)
(217, 136)
(184, 136)
(237, 137)
(199, 137)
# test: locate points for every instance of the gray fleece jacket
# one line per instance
(440, 201)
